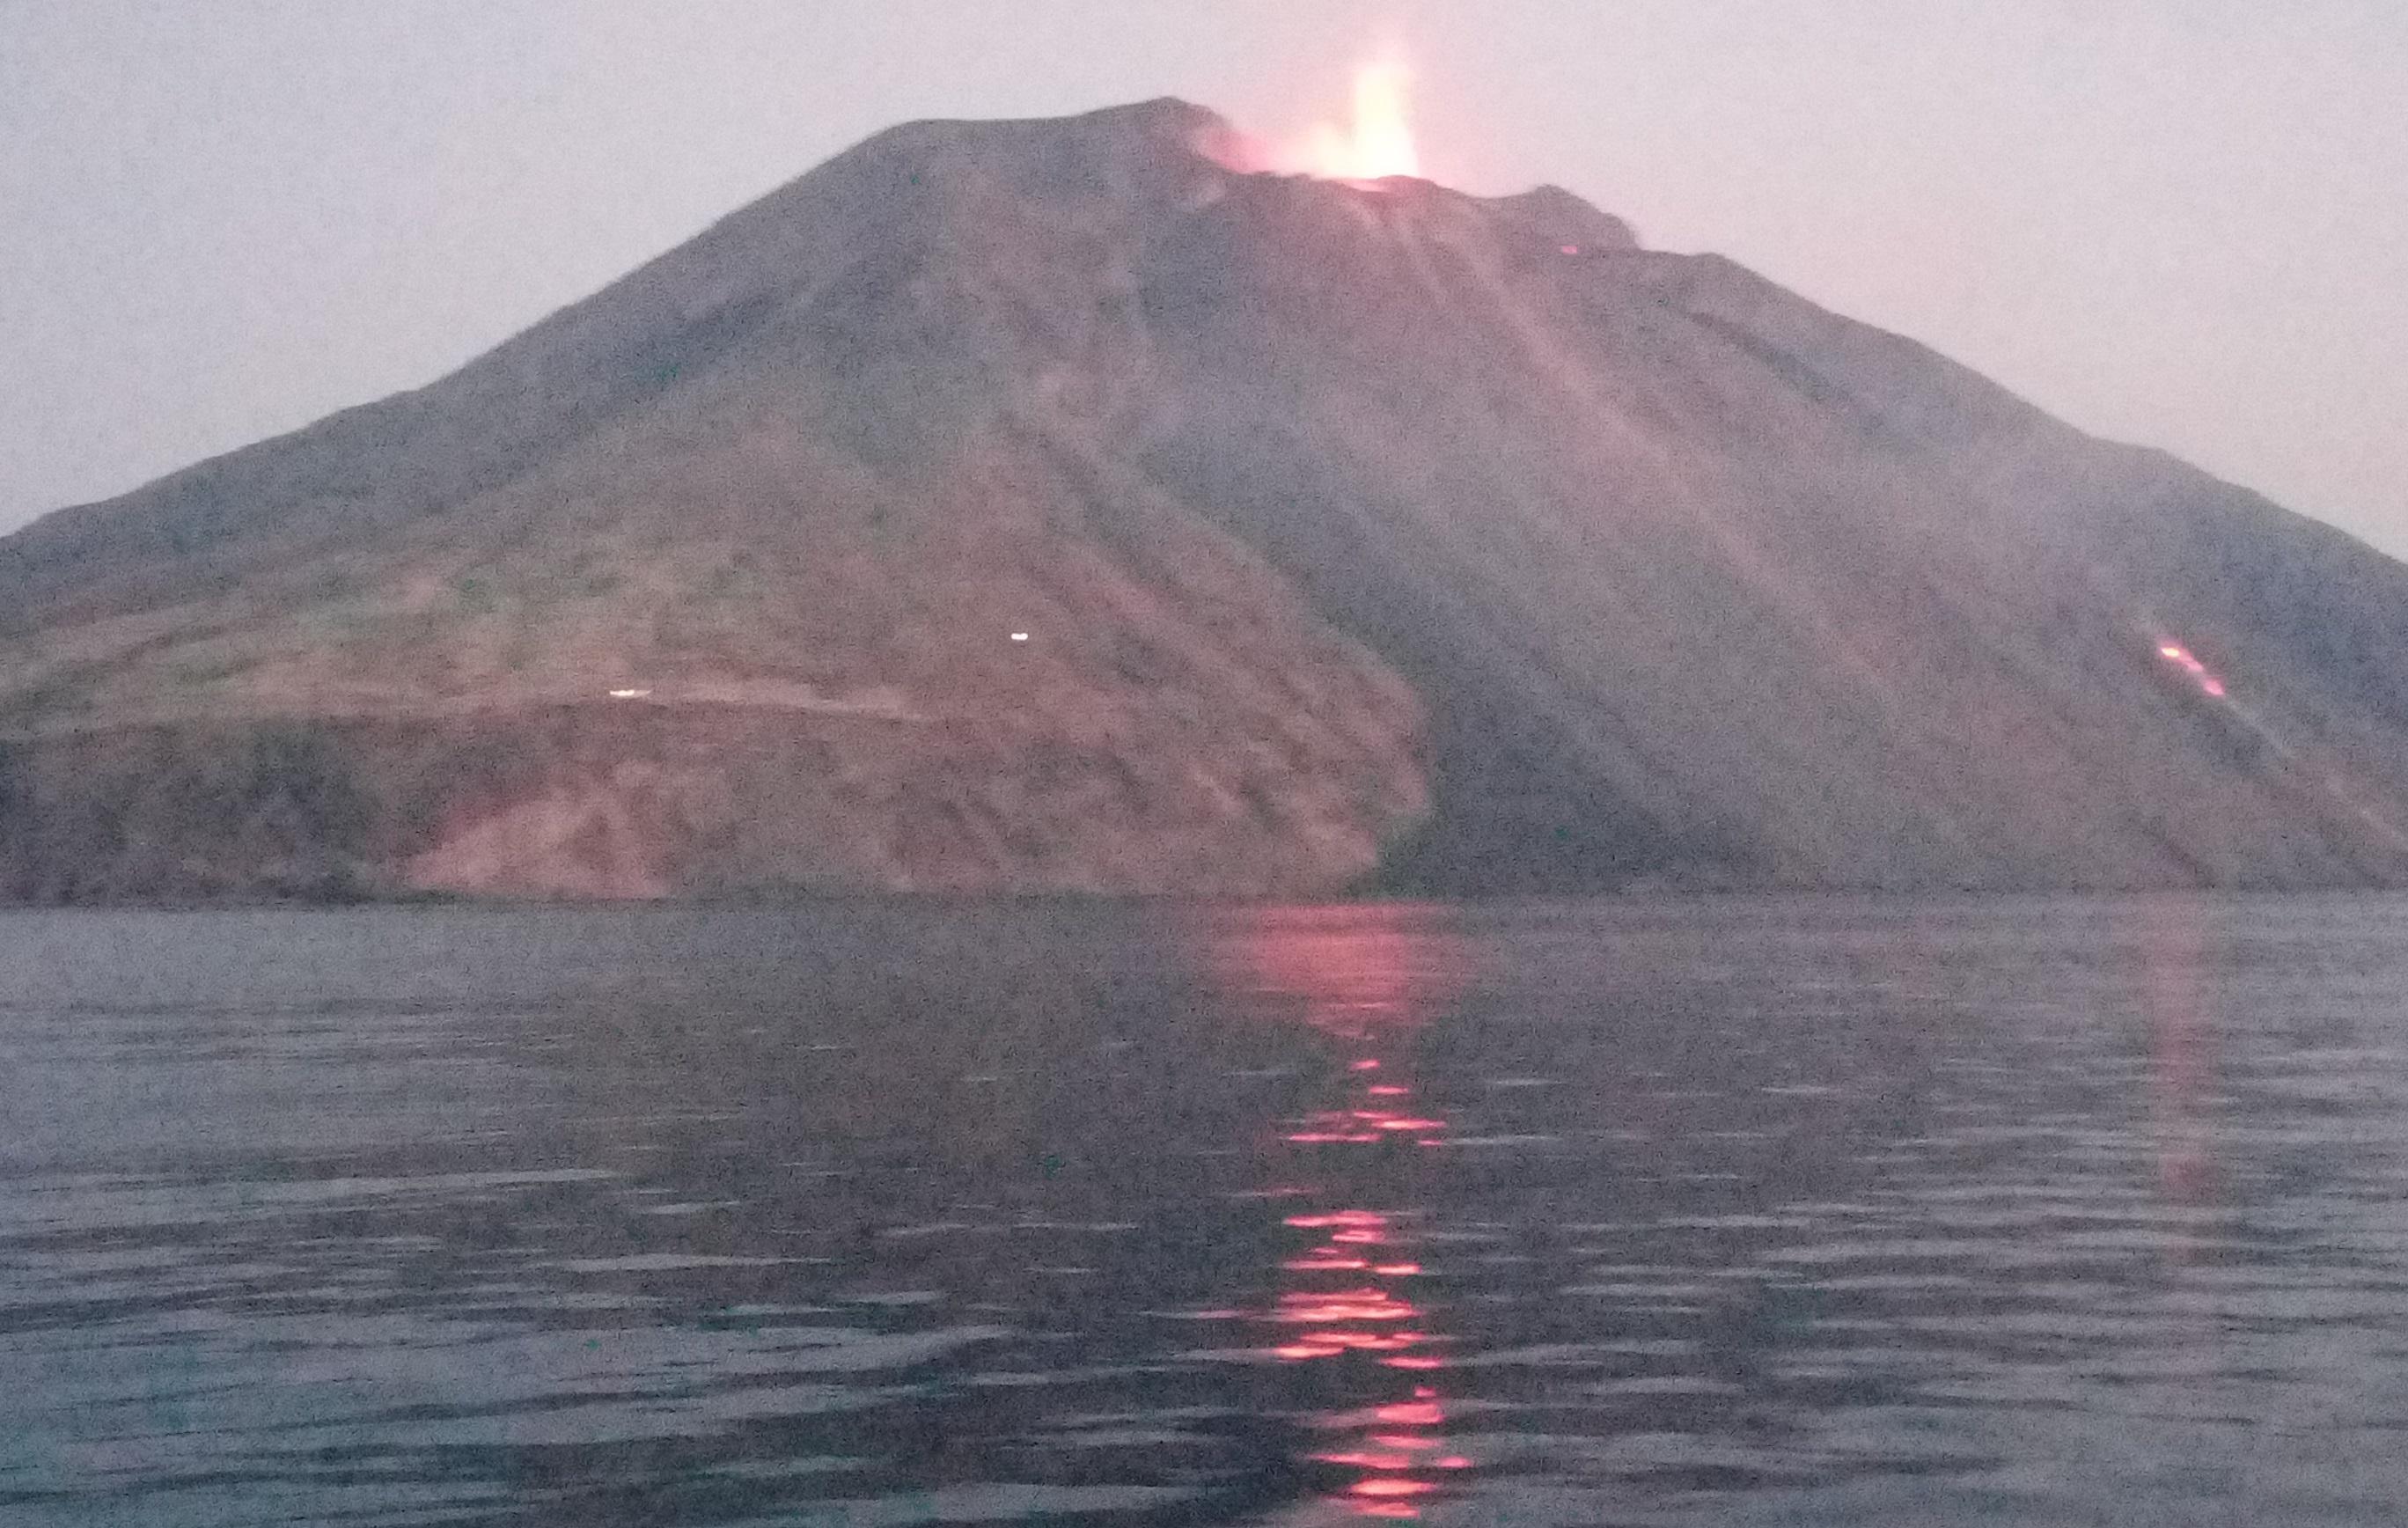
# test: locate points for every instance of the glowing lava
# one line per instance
(2181, 658)
(1381, 141)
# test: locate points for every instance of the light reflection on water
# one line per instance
(1716, 1211)
(1367, 980)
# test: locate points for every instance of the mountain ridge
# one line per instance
(1356, 535)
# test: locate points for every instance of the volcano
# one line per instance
(1050, 506)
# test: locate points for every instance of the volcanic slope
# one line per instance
(1019, 506)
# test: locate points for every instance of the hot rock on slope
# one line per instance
(1358, 534)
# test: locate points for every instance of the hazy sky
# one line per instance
(2177, 222)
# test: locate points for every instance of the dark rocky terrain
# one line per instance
(1359, 536)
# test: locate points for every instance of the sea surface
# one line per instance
(1728, 1211)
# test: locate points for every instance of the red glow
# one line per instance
(1353, 1305)
(2183, 659)
(1297, 1352)
(1331, 1344)
(1361, 973)
(1380, 140)
(1366, 979)
(1357, 1126)
(1388, 1486)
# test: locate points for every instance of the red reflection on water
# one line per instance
(1367, 980)
(1363, 1124)
(1360, 973)
(1364, 1320)
(1415, 1413)
(1368, 1460)
(1391, 1486)
(1352, 1305)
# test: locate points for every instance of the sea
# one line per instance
(1711, 1210)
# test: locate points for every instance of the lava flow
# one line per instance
(2182, 657)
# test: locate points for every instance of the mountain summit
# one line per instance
(1056, 505)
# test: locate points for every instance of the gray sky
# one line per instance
(2175, 221)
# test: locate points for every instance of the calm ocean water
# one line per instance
(1714, 1211)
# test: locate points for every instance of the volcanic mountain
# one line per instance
(1050, 505)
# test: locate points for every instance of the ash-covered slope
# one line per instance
(1354, 534)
